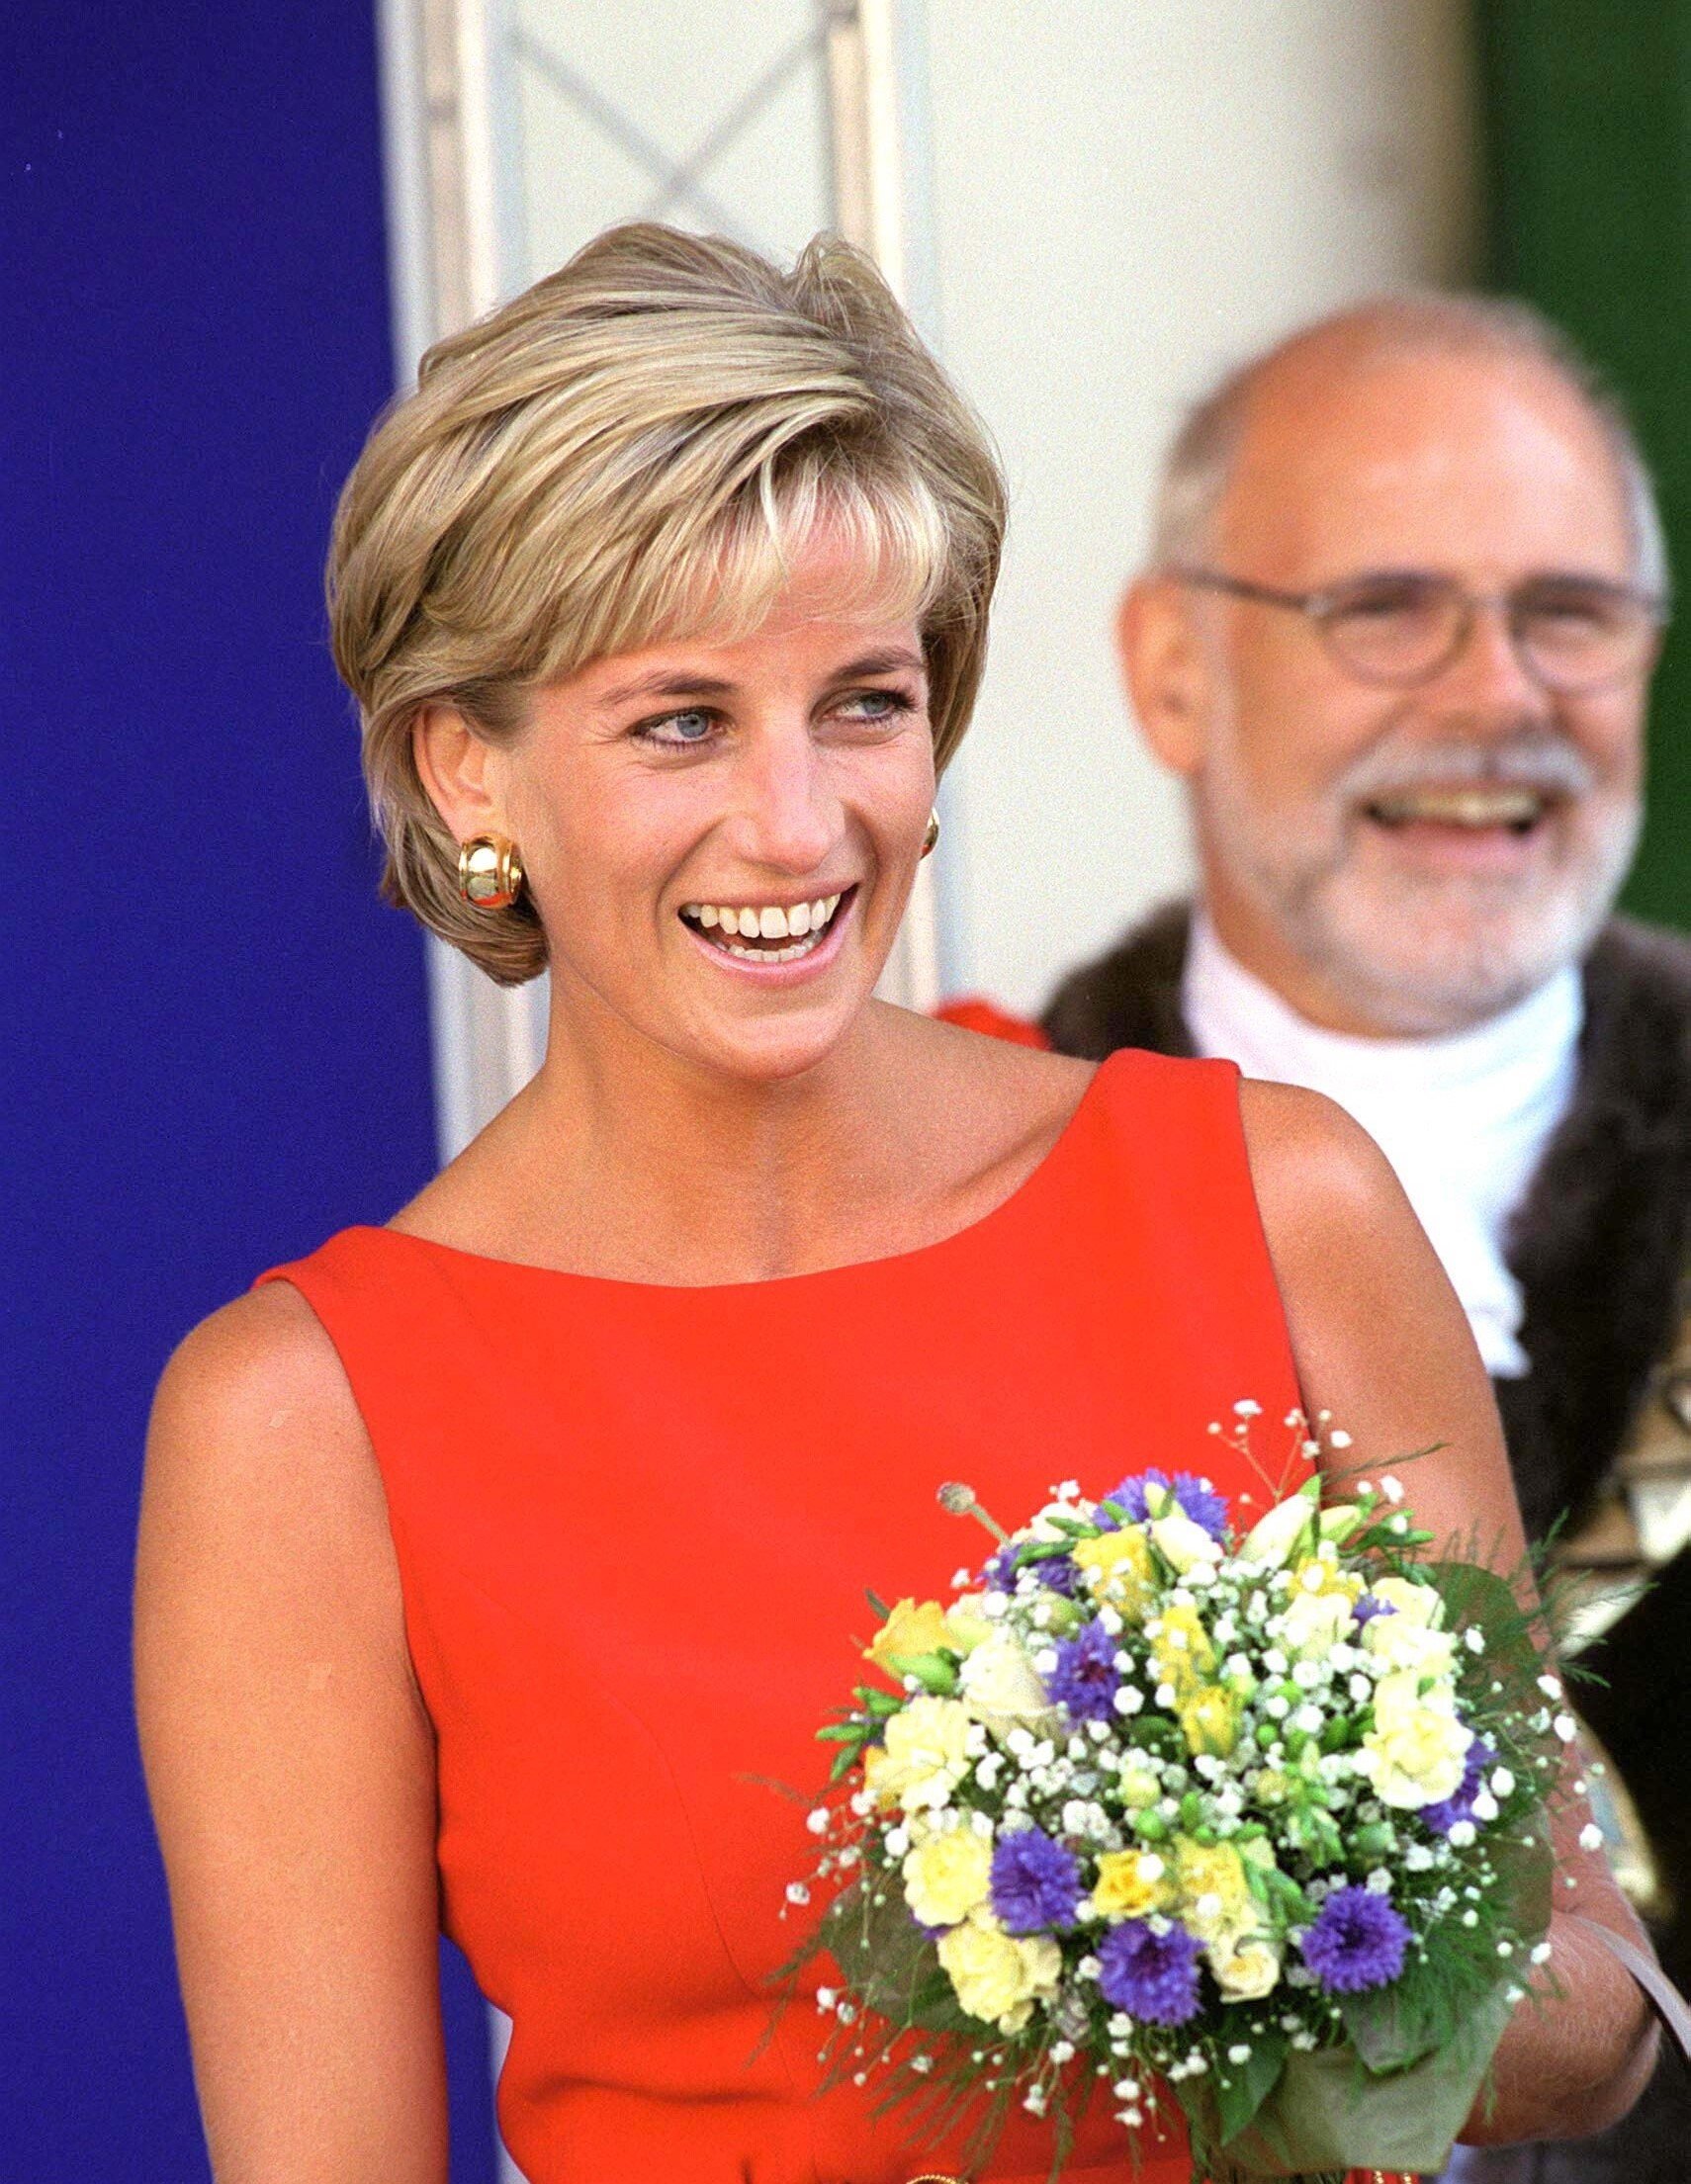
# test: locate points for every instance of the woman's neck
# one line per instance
(623, 1158)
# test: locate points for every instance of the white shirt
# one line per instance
(1464, 1119)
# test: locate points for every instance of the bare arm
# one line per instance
(291, 1763)
(1383, 1343)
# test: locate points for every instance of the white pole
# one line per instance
(866, 43)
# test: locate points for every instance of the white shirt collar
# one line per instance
(1464, 1119)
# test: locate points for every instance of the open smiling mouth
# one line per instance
(1473, 809)
(768, 932)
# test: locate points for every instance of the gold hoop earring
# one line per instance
(490, 872)
(932, 834)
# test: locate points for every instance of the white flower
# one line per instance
(1244, 1970)
(1565, 1728)
(1397, 1643)
(1181, 1542)
(1272, 1539)
(1590, 1837)
(1415, 1751)
(1002, 1689)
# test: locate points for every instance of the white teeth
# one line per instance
(1477, 807)
(804, 923)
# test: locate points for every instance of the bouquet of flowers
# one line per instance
(1160, 1806)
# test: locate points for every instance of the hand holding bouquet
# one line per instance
(1159, 1804)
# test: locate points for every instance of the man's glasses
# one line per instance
(1571, 634)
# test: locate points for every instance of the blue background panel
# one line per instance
(216, 1044)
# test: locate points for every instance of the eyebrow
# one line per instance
(668, 685)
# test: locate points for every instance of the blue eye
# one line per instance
(678, 730)
(876, 705)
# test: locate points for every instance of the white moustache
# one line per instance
(1546, 767)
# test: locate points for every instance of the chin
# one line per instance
(772, 1051)
(1438, 960)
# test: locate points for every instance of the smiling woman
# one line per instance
(494, 1562)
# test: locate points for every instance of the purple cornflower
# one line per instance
(1458, 1805)
(1195, 1496)
(1368, 1607)
(1149, 1974)
(1357, 1942)
(1057, 1572)
(1036, 1882)
(1086, 1678)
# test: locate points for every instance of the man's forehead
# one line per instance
(1472, 462)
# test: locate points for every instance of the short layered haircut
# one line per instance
(633, 452)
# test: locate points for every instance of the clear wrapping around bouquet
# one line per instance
(1238, 1806)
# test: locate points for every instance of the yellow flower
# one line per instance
(1320, 1573)
(1182, 1650)
(925, 1757)
(908, 1631)
(1129, 1884)
(1210, 1721)
(947, 1877)
(995, 1976)
(1215, 1902)
(1416, 1750)
(1244, 1970)
(1117, 1569)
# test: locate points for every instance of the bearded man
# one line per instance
(1406, 593)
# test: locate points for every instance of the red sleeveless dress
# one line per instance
(634, 1527)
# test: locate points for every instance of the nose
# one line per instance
(1486, 677)
(788, 816)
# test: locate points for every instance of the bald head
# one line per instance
(1404, 832)
(1295, 382)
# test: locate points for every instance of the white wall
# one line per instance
(1127, 196)
(1109, 201)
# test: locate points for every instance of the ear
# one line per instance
(1165, 670)
(454, 766)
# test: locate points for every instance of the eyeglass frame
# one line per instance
(1318, 605)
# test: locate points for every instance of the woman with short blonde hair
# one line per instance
(495, 1562)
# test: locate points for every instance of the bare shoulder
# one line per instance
(258, 1466)
(1317, 1173)
(260, 1373)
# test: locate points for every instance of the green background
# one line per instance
(1585, 109)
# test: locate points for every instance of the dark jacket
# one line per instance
(1600, 1247)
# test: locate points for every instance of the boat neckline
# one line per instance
(1038, 1177)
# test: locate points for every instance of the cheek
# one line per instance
(1609, 734)
(1297, 727)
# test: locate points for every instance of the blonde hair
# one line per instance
(634, 451)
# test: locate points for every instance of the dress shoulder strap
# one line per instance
(1174, 1208)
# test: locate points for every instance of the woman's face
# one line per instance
(719, 838)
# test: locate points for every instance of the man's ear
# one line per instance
(1165, 672)
(453, 764)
